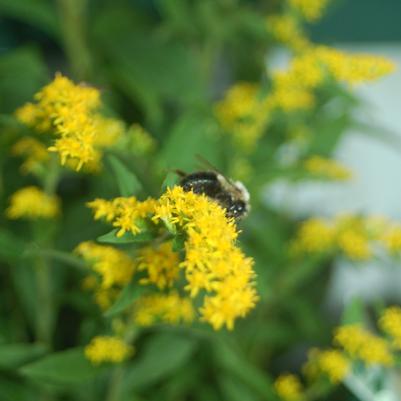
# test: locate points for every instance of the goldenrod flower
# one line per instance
(289, 387)
(33, 151)
(361, 344)
(390, 323)
(311, 10)
(355, 245)
(334, 364)
(391, 238)
(315, 235)
(161, 264)
(169, 308)
(32, 203)
(213, 266)
(70, 111)
(103, 349)
(327, 168)
(244, 113)
(286, 29)
(125, 212)
(113, 266)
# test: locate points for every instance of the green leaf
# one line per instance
(170, 181)
(22, 73)
(38, 13)
(178, 243)
(354, 312)
(66, 367)
(160, 358)
(234, 390)
(234, 363)
(11, 247)
(127, 181)
(127, 238)
(128, 295)
(198, 135)
(15, 355)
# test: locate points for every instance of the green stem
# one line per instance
(72, 20)
(116, 379)
(60, 256)
(114, 390)
(44, 305)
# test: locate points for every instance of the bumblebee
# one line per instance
(231, 195)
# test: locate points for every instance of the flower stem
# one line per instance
(72, 20)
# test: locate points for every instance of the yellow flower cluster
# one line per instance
(32, 203)
(314, 235)
(327, 168)
(287, 30)
(103, 349)
(330, 362)
(169, 308)
(71, 112)
(311, 10)
(390, 323)
(113, 266)
(361, 344)
(213, 264)
(161, 264)
(33, 151)
(244, 112)
(125, 213)
(391, 238)
(352, 235)
(289, 387)
(309, 69)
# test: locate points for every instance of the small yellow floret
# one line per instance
(361, 344)
(311, 10)
(327, 168)
(390, 323)
(33, 203)
(289, 387)
(103, 349)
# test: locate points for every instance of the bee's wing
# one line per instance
(210, 166)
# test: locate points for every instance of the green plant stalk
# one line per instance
(45, 305)
(116, 380)
(72, 20)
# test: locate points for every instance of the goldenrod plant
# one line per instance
(139, 257)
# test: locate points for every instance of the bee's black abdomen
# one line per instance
(203, 182)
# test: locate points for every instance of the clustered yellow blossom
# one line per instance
(314, 235)
(289, 387)
(391, 238)
(161, 264)
(126, 213)
(311, 10)
(108, 349)
(33, 151)
(327, 168)
(32, 203)
(166, 307)
(244, 112)
(390, 323)
(363, 345)
(331, 362)
(213, 265)
(247, 109)
(354, 236)
(71, 112)
(113, 266)
(287, 30)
